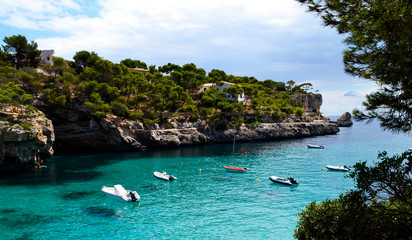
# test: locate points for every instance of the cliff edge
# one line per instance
(26, 138)
(78, 131)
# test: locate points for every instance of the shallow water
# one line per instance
(205, 202)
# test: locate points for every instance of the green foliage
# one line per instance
(189, 76)
(133, 63)
(135, 115)
(3, 58)
(89, 74)
(169, 68)
(84, 59)
(299, 112)
(12, 94)
(61, 101)
(219, 122)
(237, 121)
(97, 105)
(380, 208)
(119, 109)
(21, 52)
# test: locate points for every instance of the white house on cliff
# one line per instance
(229, 97)
(46, 56)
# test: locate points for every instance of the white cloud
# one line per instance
(34, 10)
(157, 27)
(337, 102)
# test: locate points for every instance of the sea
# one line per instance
(65, 201)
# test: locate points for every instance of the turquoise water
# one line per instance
(64, 201)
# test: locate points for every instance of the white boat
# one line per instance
(287, 181)
(164, 176)
(315, 146)
(338, 168)
(118, 192)
(410, 149)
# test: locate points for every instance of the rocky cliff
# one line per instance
(26, 138)
(76, 130)
(310, 102)
(266, 131)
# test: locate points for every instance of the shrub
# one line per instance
(119, 109)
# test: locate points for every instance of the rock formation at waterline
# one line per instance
(26, 138)
(345, 120)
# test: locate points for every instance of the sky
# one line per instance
(265, 39)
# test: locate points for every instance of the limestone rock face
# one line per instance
(311, 102)
(26, 138)
(77, 130)
(206, 134)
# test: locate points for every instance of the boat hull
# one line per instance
(316, 146)
(280, 180)
(164, 177)
(337, 168)
(111, 193)
(235, 169)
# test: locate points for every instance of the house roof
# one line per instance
(142, 70)
(45, 53)
(211, 84)
(229, 83)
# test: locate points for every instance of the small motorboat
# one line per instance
(315, 146)
(287, 181)
(235, 169)
(338, 168)
(118, 192)
(164, 176)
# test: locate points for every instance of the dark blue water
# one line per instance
(205, 202)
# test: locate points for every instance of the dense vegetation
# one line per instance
(379, 39)
(166, 91)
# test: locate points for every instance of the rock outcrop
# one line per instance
(345, 120)
(310, 102)
(26, 138)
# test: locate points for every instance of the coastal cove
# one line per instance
(64, 200)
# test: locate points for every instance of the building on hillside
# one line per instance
(142, 70)
(229, 97)
(46, 56)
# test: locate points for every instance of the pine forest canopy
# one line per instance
(166, 91)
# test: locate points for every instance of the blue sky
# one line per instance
(266, 39)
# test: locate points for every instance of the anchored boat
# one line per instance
(117, 192)
(232, 168)
(338, 168)
(315, 146)
(164, 176)
(286, 181)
